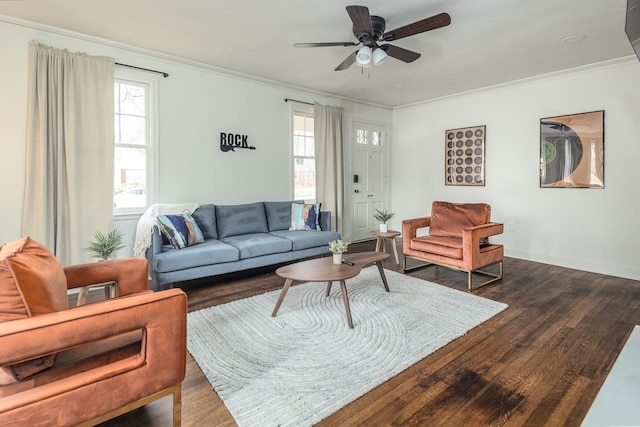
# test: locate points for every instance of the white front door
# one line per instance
(370, 180)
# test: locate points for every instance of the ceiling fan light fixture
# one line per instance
(379, 56)
(364, 55)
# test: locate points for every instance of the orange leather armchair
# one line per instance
(458, 238)
(84, 365)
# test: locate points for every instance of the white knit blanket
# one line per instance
(144, 229)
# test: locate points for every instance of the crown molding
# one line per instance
(610, 63)
(177, 60)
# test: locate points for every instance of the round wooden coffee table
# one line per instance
(324, 270)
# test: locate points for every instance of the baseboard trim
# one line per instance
(593, 266)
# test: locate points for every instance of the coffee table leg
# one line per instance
(345, 297)
(329, 287)
(285, 288)
(384, 278)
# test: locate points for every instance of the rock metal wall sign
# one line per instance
(231, 141)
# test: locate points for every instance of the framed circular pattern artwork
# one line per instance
(464, 156)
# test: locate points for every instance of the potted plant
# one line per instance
(337, 248)
(104, 245)
(383, 217)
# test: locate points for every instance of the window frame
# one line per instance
(305, 111)
(151, 83)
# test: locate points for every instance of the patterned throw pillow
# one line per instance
(305, 217)
(181, 230)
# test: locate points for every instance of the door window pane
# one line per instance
(361, 136)
(376, 138)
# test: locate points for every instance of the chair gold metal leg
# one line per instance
(404, 264)
(177, 407)
(494, 277)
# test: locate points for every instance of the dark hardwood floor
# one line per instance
(540, 362)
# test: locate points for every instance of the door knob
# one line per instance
(356, 191)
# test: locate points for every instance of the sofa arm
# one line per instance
(325, 220)
(411, 226)
(410, 229)
(471, 238)
(130, 274)
(479, 231)
(160, 364)
(157, 246)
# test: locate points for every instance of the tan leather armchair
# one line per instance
(458, 238)
(84, 365)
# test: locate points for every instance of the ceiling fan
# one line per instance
(370, 30)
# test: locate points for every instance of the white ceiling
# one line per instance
(488, 42)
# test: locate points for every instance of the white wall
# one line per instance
(592, 230)
(195, 105)
(589, 229)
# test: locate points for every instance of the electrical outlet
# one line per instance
(509, 226)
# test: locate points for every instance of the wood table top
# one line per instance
(386, 234)
(324, 270)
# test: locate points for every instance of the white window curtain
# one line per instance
(69, 150)
(329, 164)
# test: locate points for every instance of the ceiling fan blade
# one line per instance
(400, 53)
(328, 44)
(347, 62)
(427, 24)
(361, 19)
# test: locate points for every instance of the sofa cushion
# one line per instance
(305, 217)
(180, 230)
(307, 239)
(258, 244)
(209, 252)
(279, 214)
(233, 220)
(448, 219)
(205, 217)
(446, 246)
(32, 282)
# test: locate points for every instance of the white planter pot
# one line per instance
(384, 228)
(337, 259)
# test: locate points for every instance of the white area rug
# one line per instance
(303, 365)
(617, 401)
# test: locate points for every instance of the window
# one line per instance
(304, 160)
(362, 137)
(133, 144)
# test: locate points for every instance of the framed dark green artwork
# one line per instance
(572, 151)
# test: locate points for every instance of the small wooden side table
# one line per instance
(388, 235)
(109, 291)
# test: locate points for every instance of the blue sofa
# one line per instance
(237, 237)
